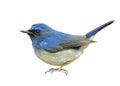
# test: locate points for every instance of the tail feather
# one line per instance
(93, 32)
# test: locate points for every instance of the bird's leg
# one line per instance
(57, 70)
(52, 70)
(63, 70)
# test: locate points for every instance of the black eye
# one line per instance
(37, 31)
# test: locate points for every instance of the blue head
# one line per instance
(40, 26)
(36, 31)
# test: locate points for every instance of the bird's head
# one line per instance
(37, 30)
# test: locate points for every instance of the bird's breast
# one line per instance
(60, 58)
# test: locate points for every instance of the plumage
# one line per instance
(94, 31)
(58, 48)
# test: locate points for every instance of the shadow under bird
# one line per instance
(58, 48)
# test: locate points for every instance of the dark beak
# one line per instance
(26, 31)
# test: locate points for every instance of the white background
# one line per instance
(98, 66)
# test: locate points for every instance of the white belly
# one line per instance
(59, 58)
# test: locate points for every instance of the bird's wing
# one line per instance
(74, 41)
(71, 41)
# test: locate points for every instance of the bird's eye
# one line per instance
(37, 31)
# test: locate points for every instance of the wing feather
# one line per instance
(72, 41)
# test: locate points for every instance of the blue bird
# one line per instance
(58, 48)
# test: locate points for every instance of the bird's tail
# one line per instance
(94, 31)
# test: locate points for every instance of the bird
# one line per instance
(58, 48)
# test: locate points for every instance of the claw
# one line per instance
(57, 70)
(64, 71)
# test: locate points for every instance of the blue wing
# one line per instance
(59, 41)
(52, 41)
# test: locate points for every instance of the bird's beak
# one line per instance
(26, 31)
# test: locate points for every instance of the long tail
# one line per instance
(93, 32)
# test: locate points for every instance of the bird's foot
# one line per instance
(57, 70)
